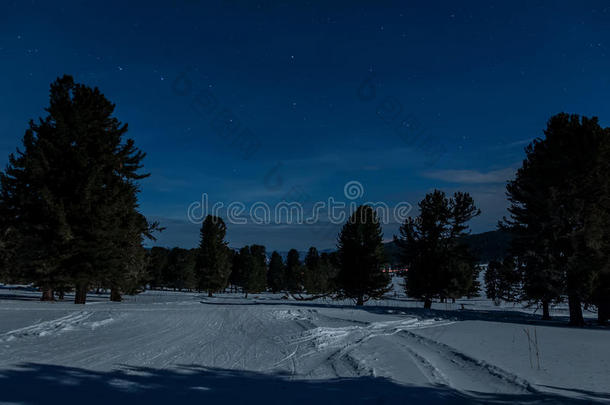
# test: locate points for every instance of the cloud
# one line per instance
(522, 142)
(472, 176)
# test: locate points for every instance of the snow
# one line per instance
(163, 347)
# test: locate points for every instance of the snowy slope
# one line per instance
(162, 346)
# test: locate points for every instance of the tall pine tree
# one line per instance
(250, 269)
(502, 280)
(440, 264)
(213, 264)
(277, 273)
(361, 255)
(294, 272)
(69, 197)
(559, 213)
(319, 272)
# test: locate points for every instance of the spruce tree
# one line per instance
(70, 196)
(156, 267)
(502, 280)
(126, 257)
(319, 272)
(256, 275)
(239, 260)
(559, 212)
(329, 269)
(181, 269)
(294, 272)
(361, 257)
(213, 264)
(250, 269)
(440, 264)
(313, 274)
(277, 273)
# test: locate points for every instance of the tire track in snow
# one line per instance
(344, 351)
(47, 328)
(304, 320)
(445, 365)
(338, 343)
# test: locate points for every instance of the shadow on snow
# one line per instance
(40, 383)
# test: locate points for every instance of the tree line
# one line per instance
(70, 221)
(214, 267)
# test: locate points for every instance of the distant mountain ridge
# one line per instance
(491, 245)
(486, 246)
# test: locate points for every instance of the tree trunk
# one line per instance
(80, 297)
(47, 294)
(576, 318)
(360, 301)
(427, 303)
(603, 312)
(545, 310)
(115, 294)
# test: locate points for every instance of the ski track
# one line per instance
(307, 343)
(446, 366)
(52, 327)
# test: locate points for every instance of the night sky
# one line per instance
(476, 82)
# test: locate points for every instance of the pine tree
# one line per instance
(125, 258)
(361, 255)
(239, 260)
(294, 272)
(277, 273)
(312, 259)
(313, 271)
(213, 264)
(70, 196)
(181, 269)
(319, 272)
(329, 269)
(440, 264)
(502, 280)
(601, 295)
(559, 212)
(256, 275)
(250, 269)
(156, 267)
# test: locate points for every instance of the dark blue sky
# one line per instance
(476, 81)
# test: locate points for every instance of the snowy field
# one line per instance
(171, 347)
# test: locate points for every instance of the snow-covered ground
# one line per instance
(171, 347)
